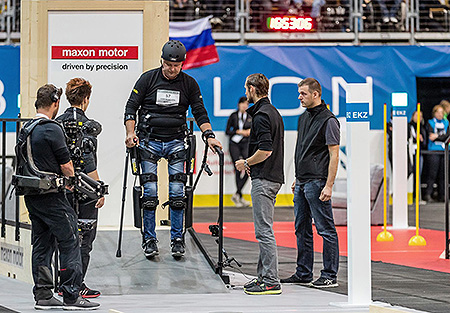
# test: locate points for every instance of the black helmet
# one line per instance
(173, 51)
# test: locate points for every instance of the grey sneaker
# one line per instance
(48, 304)
(252, 283)
(81, 305)
(323, 282)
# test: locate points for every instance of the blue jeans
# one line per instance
(307, 206)
(176, 189)
(316, 7)
(389, 12)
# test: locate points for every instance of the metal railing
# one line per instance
(16, 222)
(9, 20)
(247, 21)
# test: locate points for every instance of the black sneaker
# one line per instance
(81, 305)
(251, 283)
(150, 247)
(177, 245)
(86, 292)
(264, 289)
(294, 279)
(48, 304)
(323, 282)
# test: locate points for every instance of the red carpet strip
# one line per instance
(396, 252)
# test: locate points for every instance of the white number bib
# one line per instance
(167, 98)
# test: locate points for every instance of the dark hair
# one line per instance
(47, 95)
(242, 99)
(260, 82)
(313, 85)
(77, 89)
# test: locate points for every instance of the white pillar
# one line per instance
(400, 161)
(358, 198)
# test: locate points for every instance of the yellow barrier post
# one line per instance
(417, 240)
(385, 235)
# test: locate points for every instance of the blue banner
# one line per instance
(384, 69)
(9, 83)
(357, 112)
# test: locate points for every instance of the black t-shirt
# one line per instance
(267, 134)
(48, 147)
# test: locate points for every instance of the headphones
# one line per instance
(54, 95)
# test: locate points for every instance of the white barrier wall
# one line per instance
(110, 57)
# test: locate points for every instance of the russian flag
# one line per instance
(196, 37)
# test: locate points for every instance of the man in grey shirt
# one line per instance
(316, 163)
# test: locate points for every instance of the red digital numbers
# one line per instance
(290, 23)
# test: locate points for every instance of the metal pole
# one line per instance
(188, 220)
(221, 179)
(17, 232)
(242, 22)
(356, 15)
(124, 194)
(417, 13)
(446, 168)
(3, 178)
(8, 22)
(409, 7)
(236, 15)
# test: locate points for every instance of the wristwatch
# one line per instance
(246, 164)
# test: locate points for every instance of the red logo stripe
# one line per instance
(95, 52)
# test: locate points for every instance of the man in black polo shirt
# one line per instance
(265, 165)
(159, 102)
(51, 215)
(316, 163)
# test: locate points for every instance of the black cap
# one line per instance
(173, 51)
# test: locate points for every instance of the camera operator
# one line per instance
(43, 156)
(78, 127)
(160, 99)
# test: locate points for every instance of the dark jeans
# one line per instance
(86, 210)
(53, 219)
(435, 165)
(307, 206)
(239, 151)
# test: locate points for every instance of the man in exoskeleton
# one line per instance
(158, 103)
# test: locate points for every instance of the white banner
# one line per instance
(106, 49)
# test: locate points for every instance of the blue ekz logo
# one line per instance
(399, 112)
(357, 112)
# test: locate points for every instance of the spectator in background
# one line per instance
(412, 143)
(446, 106)
(316, 6)
(238, 128)
(438, 131)
(389, 15)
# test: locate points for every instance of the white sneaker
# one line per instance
(237, 200)
(386, 19)
(244, 202)
(394, 20)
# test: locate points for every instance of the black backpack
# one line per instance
(29, 180)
